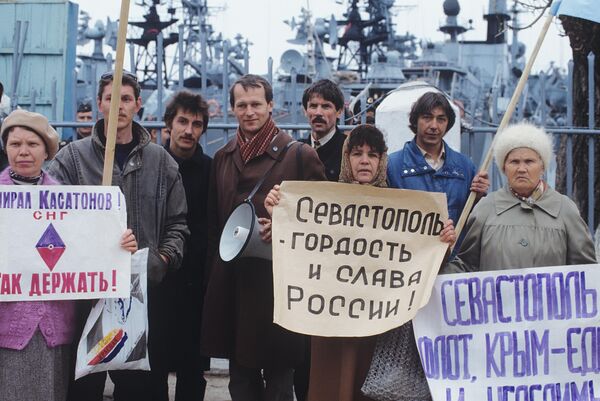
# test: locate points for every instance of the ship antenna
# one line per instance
(310, 43)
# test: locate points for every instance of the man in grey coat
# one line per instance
(156, 212)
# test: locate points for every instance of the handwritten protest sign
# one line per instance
(62, 242)
(527, 334)
(353, 260)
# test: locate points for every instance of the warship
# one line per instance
(175, 46)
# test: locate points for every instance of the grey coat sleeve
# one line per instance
(468, 258)
(175, 229)
(580, 247)
(62, 167)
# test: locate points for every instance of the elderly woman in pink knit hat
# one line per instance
(35, 336)
(526, 223)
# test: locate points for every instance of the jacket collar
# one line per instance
(414, 163)
(323, 141)
(139, 131)
(196, 157)
(134, 162)
(274, 150)
(278, 144)
(505, 200)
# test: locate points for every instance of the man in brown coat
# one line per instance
(238, 307)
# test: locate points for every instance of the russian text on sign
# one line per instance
(352, 260)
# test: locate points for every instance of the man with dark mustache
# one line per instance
(323, 103)
(156, 212)
(186, 118)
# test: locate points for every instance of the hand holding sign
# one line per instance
(128, 241)
(272, 199)
(62, 242)
(353, 260)
(524, 334)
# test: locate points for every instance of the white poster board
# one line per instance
(528, 334)
(62, 242)
(353, 260)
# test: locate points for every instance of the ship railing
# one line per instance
(219, 134)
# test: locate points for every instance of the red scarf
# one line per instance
(258, 144)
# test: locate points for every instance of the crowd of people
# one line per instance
(178, 202)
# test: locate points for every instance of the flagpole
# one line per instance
(505, 120)
(115, 96)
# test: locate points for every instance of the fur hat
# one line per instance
(523, 135)
(35, 122)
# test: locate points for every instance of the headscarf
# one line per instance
(346, 169)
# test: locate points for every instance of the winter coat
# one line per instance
(339, 365)
(407, 169)
(504, 232)
(331, 154)
(20, 320)
(150, 181)
(181, 290)
(238, 306)
(156, 205)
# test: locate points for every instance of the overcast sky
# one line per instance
(261, 21)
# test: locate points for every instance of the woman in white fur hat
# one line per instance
(526, 223)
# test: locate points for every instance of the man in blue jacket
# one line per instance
(427, 163)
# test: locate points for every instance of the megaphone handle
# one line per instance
(266, 174)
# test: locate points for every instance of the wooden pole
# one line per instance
(505, 120)
(115, 96)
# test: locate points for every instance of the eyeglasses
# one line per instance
(110, 75)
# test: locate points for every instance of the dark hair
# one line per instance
(187, 102)
(1, 89)
(128, 80)
(366, 134)
(252, 81)
(328, 90)
(425, 105)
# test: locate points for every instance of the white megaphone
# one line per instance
(241, 238)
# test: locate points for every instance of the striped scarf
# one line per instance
(21, 180)
(258, 144)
